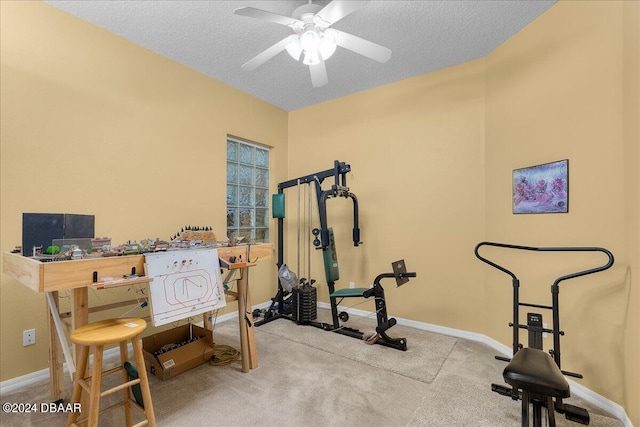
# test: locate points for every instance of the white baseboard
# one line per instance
(16, 384)
(590, 396)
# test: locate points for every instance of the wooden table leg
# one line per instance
(79, 311)
(245, 320)
(80, 317)
(251, 338)
(56, 374)
(207, 322)
(242, 308)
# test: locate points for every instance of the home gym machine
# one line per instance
(300, 302)
(535, 377)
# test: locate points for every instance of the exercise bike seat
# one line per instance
(534, 371)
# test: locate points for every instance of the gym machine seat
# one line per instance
(535, 371)
(349, 293)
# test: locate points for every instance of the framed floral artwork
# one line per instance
(542, 188)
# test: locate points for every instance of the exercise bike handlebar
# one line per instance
(547, 249)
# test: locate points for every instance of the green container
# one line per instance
(133, 375)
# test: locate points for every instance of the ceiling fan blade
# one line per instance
(361, 46)
(252, 12)
(319, 73)
(266, 55)
(337, 9)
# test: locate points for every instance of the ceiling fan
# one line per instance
(313, 37)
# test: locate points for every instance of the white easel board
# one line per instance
(185, 283)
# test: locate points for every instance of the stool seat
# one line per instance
(534, 371)
(108, 331)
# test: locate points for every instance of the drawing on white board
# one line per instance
(185, 283)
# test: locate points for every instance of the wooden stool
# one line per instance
(97, 335)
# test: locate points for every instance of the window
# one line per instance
(247, 191)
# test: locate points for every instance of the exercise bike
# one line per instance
(535, 377)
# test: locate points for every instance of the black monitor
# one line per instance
(40, 229)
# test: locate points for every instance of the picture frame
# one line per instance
(541, 189)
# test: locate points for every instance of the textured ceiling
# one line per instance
(208, 37)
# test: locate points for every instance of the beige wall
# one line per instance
(416, 149)
(631, 137)
(562, 89)
(94, 124)
(431, 156)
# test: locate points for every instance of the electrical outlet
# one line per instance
(28, 337)
(352, 285)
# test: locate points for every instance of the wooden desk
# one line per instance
(77, 276)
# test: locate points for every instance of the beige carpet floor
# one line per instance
(310, 377)
(422, 361)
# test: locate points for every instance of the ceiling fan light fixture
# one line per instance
(313, 36)
(327, 46)
(311, 58)
(293, 47)
(314, 44)
(310, 40)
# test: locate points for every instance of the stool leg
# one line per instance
(525, 409)
(124, 357)
(81, 367)
(144, 381)
(94, 396)
(551, 412)
(537, 412)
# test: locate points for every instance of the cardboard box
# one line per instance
(170, 353)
